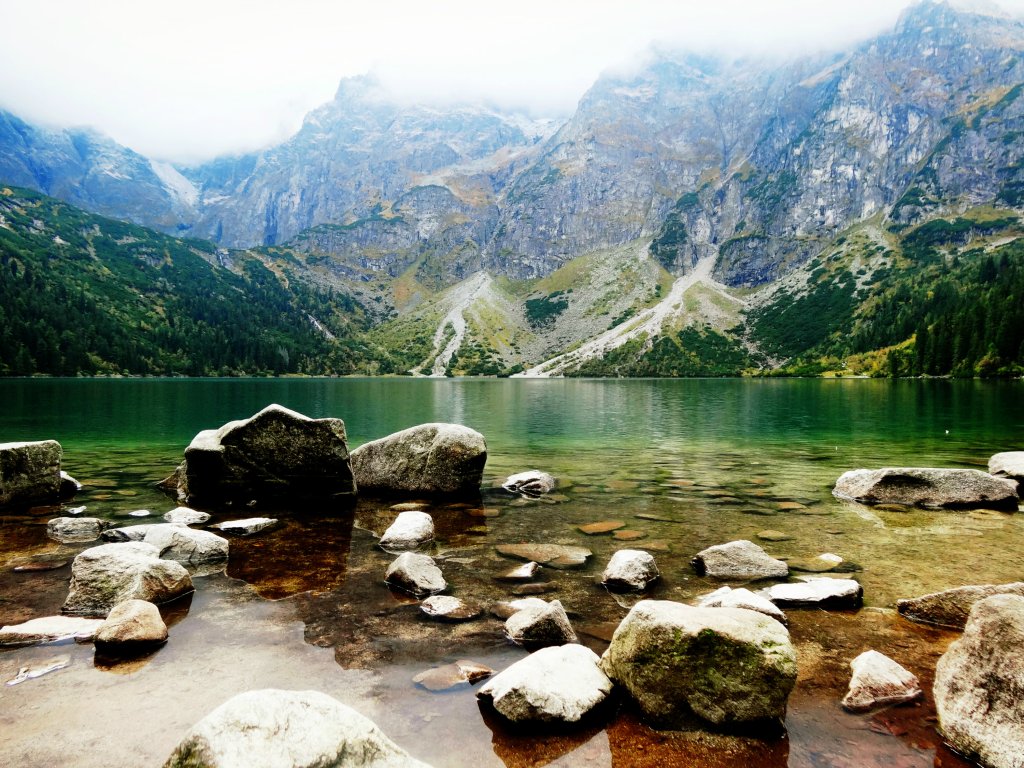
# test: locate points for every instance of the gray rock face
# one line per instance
(879, 681)
(1009, 464)
(410, 530)
(738, 560)
(29, 472)
(103, 576)
(49, 629)
(539, 626)
(68, 530)
(946, 488)
(978, 684)
(130, 627)
(725, 665)
(816, 591)
(562, 684)
(187, 546)
(293, 729)
(951, 607)
(727, 597)
(186, 516)
(630, 570)
(276, 454)
(416, 574)
(533, 482)
(246, 527)
(427, 459)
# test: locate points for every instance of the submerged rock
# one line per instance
(923, 487)
(246, 527)
(978, 684)
(505, 608)
(728, 666)
(538, 626)
(879, 681)
(70, 530)
(816, 592)
(416, 574)
(533, 482)
(553, 555)
(456, 675)
(276, 454)
(30, 472)
(562, 684)
(951, 607)
(410, 530)
(49, 629)
(726, 597)
(103, 576)
(525, 572)
(602, 526)
(186, 516)
(822, 563)
(430, 459)
(131, 627)
(32, 671)
(294, 729)
(630, 570)
(738, 560)
(448, 608)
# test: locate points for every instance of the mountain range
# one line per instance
(694, 216)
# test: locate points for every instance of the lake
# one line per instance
(685, 464)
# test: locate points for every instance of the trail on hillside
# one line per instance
(459, 300)
(649, 322)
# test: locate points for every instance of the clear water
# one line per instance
(685, 464)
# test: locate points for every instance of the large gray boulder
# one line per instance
(913, 486)
(1009, 464)
(29, 472)
(951, 607)
(562, 684)
(131, 627)
(738, 560)
(728, 666)
(103, 576)
(433, 459)
(287, 729)
(276, 454)
(978, 685)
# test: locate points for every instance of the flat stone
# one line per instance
(409, 506)
(416, 574)
(448, 608)
(773, 535)
(654, 518)
(40, 566)
(140, 513)
(186, 516)
(32, 671)
(604, 526)
(247, 526)
(951, 607)
(790, 506)
(738, 560)
(878, 681)
(726, 597)
(554, 555)
(628, 535)
(928, 487)
(50, 629)
(525, 572)
(70, 530)
(821, 592)
(537, 588)
(821, 564)
(411, 529)
(460, 674)
(538, 627)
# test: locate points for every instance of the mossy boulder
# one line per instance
(728, 666)
(30, 472)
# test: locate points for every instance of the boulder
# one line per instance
(277, 454)
(728, 666)
(944, 488)
(816, 592)
(1009, 464)
(533, 482)
(246, 527)
(630, 570)
(70, 530)
(562, 684)
(131, 627)
(726, 597)
(410, 530)
(29, 472)
(129, 532)
(186, 545)
(552, 555)
(978, 684)
(951, 607)
(290, 729)
(186, 516)
(49, 629)
(456, 675)
(430, 459)
(738, 560)
(448, 608)
(537, 626)
(103, 576)
(416, 574)
(879, 681)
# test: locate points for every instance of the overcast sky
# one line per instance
(190, 79)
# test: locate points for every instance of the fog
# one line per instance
(192, 79)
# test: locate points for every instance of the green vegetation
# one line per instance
(688, 353)
(541, 312)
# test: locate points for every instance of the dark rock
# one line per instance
(29, 472)
(68, 485)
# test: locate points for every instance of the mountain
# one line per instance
(694, 216)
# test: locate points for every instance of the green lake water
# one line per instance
(684, 464)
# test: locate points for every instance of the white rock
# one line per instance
(524, 572)
(287, 729)
(139, 513)
(186, 516)
(448, 608)
(415, 573)
(738, 560)
(129, 532)
(878, 681)
(178, 542)
(726, 597)
(817, 591)
(536, 627)
(246, 527)
(69, 530)
(561, 684)
(1008, 464)
(533, 482)
(410, 530)
(50, 629)
(630, 569)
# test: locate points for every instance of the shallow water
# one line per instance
(684, 464)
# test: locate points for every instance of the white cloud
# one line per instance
(194, 78)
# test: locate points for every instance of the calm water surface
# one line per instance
(684, 464)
